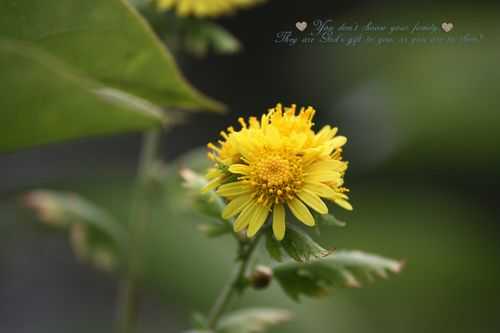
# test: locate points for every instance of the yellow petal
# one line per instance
(257, 220)
(214, 173)
(343, 203)
(239, 168)
(323, 176)
(320, 189)
(339, 195)
(234, 189)
(279, 226)
(327, 165)
(313, 201)
(326, 133)
(235, 206)
(244, 218)
(299, 140)
(338, 142)
(243, 145)
(213, 184)
(301, 212)
(165, 4)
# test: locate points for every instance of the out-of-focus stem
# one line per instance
(128, 295)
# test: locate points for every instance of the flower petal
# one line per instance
(327, 165)
(258, 219)
(246, 215)
(239, 168)
(235, 206)
(301, 212)
(213, 173)
(338, 142)
(343, 203)
(326, 133)
(320, 189)
(313, 201)
(212, 184)
(323, 176)
(234, 189)
(279, 226)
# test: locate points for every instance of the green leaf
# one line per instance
(330, 220)
(302, 248)
(340, 270)
(252, 320)
(273, 246)
(45, 101)
(107, 41)
(94, 235)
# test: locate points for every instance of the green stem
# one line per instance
(236, 283)
(128, 291)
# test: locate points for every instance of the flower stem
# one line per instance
(128, 297)
(236, 283)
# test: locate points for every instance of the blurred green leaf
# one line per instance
(90, 244)
(273, 246)
(252, 320)
(300, 247)
(45, 101)
(94, 235)
(107, 41)
(201, 36)
(330, 220)
(342, 269)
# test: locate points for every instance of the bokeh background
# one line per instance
(423, 129)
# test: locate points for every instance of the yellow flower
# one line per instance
(203, 8)
(277, 163)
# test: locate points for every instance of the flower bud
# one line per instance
(261, 277)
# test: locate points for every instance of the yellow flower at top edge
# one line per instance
(275, 164)
(202, 8)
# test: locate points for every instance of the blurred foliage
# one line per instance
(252, 320)
(106, 56)
(36, 111)
(94, 234)
(244, 321)
(194, 36)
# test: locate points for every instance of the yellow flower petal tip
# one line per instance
(276, 163)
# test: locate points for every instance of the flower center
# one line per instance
(276, 177)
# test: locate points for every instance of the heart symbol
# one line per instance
(301, 25)
(447, 27)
